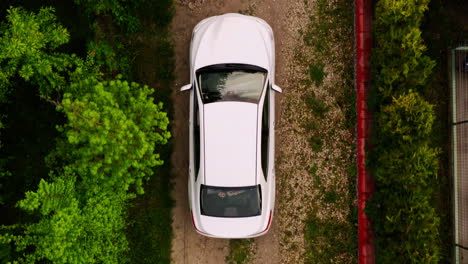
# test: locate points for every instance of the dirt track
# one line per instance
(284, 17)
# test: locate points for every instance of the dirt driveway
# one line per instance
(285, 17)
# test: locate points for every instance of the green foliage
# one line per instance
(5, 253)
(328, 240)
(408, 118)
(112, 51)
(111, 133)
(109, 145)
(6, 237)
(3, 172)
(106, 152)
(399, 57)
(149, 230)
(411, 165)
(50, 196)
(73, 231)
(26, 140)
(441, 31)
(319, 108)
(240, 251)
(403, 162)
(118, 9)
(104, 56)
(26, 49)
(330, 22)
(316, 143)
(130, 15)
(316, 74)
(406, 221)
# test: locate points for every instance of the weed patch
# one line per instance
(240, 251)
(329, 240)
(316, 144)
(330, 229)
(249, 11)
(319, 108)
(316, 74)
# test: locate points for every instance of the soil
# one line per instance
(285, 17)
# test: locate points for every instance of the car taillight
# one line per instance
(193, 223)
(268, 225)
(269, 221)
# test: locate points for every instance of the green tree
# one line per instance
(112, 131)
(27, 45)
(72, 229)
(107, 149)
(108, 145)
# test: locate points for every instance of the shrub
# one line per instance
(119, 10)
(399, 55)
(403, 162)
(406, 222)
(104, 56)
(407, 119)
(129, 15)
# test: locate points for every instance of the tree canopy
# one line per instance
(27, 50)
(107, 148)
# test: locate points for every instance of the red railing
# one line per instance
(363, 19)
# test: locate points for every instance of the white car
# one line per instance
(231, 183)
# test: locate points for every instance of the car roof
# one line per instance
(230, 143)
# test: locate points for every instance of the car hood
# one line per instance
(230, 130)
(232, 38)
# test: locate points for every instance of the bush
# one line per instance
(111, 134)
(119, 10)
(403, 162)
(407, 119)
(104, 56)
(399, 55)
(130, 15)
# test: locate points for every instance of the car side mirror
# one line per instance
(277, 88)
(186, 87)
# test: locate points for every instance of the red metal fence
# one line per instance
(363, 19)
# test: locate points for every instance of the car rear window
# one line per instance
(230, 202)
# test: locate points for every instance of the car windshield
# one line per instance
(230, 202)
(231, 82)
